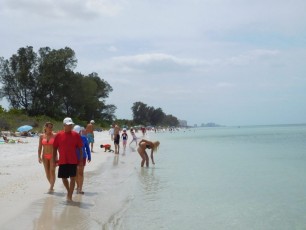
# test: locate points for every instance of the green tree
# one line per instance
(18, 76)
(157, 116)
(170, 120)
(140, 112)
(45, 84)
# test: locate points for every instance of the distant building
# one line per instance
(183, 123)
(210, 124)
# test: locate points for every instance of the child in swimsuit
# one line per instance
(45, 153)
(107, 147)
(125, 137)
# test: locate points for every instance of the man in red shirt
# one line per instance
(66, 142)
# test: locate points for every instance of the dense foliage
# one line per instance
(148, 115)
(44, 83)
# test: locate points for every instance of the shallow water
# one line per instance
(223, 178)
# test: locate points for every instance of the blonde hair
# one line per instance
(155, 145)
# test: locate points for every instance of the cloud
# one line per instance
(59, 9)
(252, 56)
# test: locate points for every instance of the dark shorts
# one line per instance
(67, 170)
(117, 139)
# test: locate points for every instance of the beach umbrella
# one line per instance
(24, 128)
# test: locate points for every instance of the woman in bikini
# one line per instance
(45, 153)
(143, 145)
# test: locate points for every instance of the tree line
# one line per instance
(44, 83)
(148, 115)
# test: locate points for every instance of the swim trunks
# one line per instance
(67, 170)
(117, 139)
(90, 138)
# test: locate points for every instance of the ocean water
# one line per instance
(213, 178)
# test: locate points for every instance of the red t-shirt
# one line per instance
(67, 143)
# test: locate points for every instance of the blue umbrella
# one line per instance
(24, 128)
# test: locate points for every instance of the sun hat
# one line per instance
(77, 128)
(68, 121)
(92, 121)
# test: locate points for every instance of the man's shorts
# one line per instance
(67, 170)
(90, 138)
(117, 139)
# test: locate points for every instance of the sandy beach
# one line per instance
(26, 203)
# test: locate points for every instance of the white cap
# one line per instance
(92, 121)
(68, 121)
(77, 128)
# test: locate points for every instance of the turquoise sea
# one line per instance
(215, 178)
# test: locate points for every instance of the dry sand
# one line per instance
(25, 202)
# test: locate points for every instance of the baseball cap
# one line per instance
(68, 121)
(92, 121)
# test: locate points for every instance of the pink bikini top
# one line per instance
(46, 142)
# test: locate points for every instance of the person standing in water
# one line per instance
(143, 145)
(125, 137)
(67, 142)
(45, 153)
(116, 138)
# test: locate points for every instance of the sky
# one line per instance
(231, 62)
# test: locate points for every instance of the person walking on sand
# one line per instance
(116, 138)
(86, 157)
(45, 153)
(143, 145)
(111, 132)
(90, 133)
(66, 143)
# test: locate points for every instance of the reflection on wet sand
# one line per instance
(62, 214)
(47, 217)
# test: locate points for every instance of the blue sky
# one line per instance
(229, 62)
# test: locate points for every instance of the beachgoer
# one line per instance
(143, 130)
(124, 137)
(107, 147)
(67, 142)
(45, 153)
(143, 145)
(86, 157)
(134, 136)
(116, 138)
(111, 131)
(90, 133)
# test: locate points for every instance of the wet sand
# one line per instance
(25, 200)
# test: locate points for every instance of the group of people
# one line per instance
(143, 144)
(69, 150)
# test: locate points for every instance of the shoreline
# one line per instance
(24, 185)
